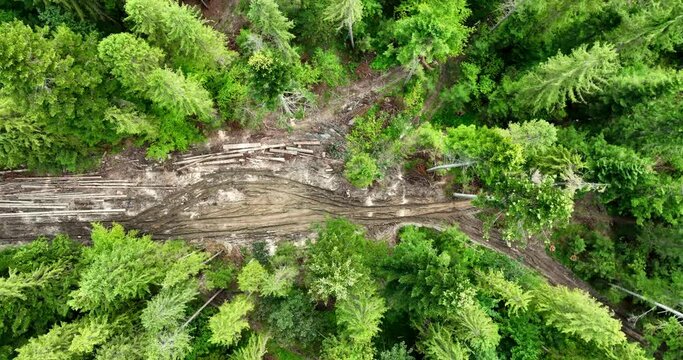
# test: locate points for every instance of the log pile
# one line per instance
(32, 197)
(239, 153)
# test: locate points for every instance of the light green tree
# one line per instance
(429, 31)
(138, 67)
(226, 326)
(441, 344)
(252, 277)
(255, 349)
(361, 170)
(268, 20)
(179, 30)
(516, 299)
(564, 78)
(15, 285)
(575, 313)
(475, 327)
(360, 315)
(345, 13)
(67, 341)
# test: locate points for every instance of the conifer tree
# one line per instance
(649, 31)
(429, 31)
(564, 78)
(345, 13)
(360, 315)
(255, 349)
(475, 327)
(52, 98)
(138, 67)
(68, 341)
(268, 20)
(574, 312)
(227, 326)
(440, 344)
(179, 30)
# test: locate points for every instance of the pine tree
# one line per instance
(346, 13)
(516, 299)
(57, 98)
(67, 341)
(121, 267)
(564, 78)
(649, 31)
(476, 328)
(267, 19)
(440, 344)
(280, 282)
(575, 313)
(179, 30)
(16, 284)
(255, 349)
(360, 315)
(429, 31)
(138, 67)
(226, 326)
(252, 276)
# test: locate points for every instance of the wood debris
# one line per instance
(239, 152)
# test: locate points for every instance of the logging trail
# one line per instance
(244, 186)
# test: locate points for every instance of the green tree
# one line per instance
(440, 344)
(35, 285)
(534, 136)
(180, 31)
(252, 276)
(51, 106)
(516, 299)
(255, 349)
(653, 128)
(649, 30)
(334, 348)
(476, 328)
(575, 313)
(361, 170)
(67, 341)
(345, 13)
(138, 67)
(268, 20)
(227, 326)
(360, 314)
(429, 31)
(120, 267)
(564, 78)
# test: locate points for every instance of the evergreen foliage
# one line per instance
(180, 32)
(455, 300)
(563, 78)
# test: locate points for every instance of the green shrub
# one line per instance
(361, 170)
(329, 65)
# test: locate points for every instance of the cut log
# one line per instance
(61, 213)
(307, 143)
(241, 146)
(287, 152)
(266, 147)
(220, 162)
(278, 159)
(301, 150)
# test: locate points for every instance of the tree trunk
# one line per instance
(353, 46)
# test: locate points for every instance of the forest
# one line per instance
(560, 121)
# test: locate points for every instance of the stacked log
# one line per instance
(238, 153)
